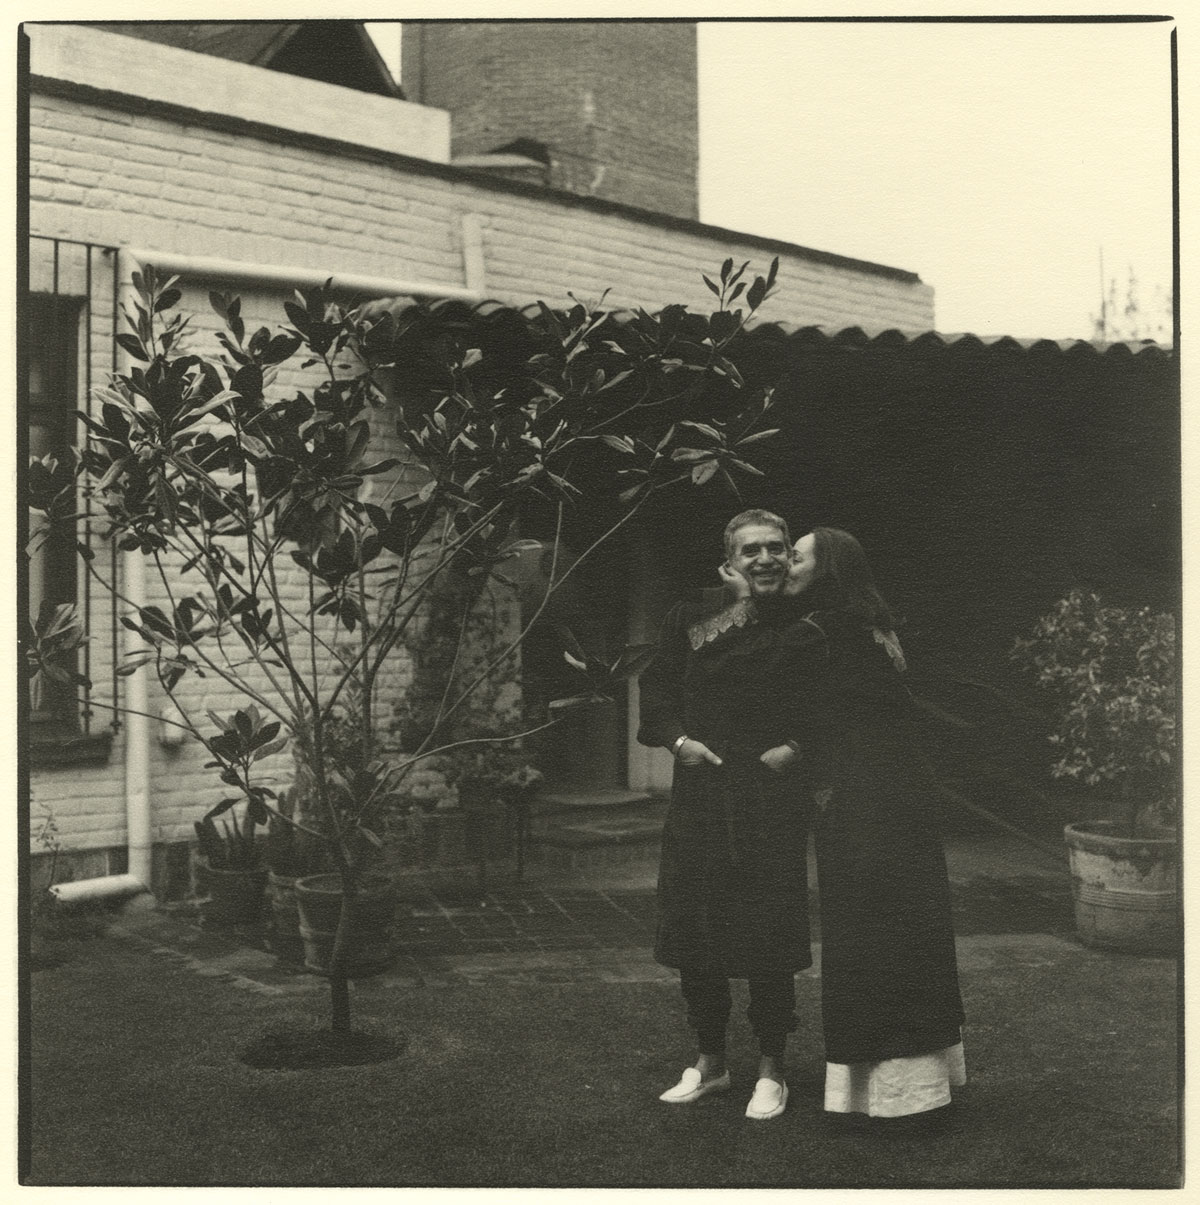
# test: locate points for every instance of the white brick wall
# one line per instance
(254, 200)
(104, 175)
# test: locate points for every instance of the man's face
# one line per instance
(760, 554)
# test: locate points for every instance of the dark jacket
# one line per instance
(733, 891)
(889, 982)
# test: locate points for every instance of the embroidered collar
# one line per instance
(738, 615)
(892, 645)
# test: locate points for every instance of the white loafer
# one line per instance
(691, 1087)
(769, 1100)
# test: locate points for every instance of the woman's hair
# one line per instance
(843, 578)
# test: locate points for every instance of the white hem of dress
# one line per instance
(895, 1087)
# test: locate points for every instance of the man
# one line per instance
(733, 890)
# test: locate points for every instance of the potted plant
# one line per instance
(234, 870)
(429, 814)
(1111, 674)
(517, 790)
(291, 854)
(369, 945)
(495, 785)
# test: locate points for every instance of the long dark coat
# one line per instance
(732, 889)
(889, 982)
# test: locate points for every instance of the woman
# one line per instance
(891, 1008)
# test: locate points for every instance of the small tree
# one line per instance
(1111, 672)
(1125, 316)
(227, 490)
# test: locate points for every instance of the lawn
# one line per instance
(136, 1081)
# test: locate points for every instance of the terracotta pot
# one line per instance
(372, 940)
(235, 897)
(1125, 888)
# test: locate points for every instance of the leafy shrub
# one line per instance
(1111, 672)
(233, 846)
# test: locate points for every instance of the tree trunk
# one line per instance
(339, 995)
(339, 985)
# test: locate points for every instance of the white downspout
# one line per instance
(136, 878)
(137, 737)
(137, 730)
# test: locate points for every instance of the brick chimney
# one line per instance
(610, 107)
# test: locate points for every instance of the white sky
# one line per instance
(994, 160)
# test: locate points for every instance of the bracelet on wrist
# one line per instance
(794, 746)
(677, 746)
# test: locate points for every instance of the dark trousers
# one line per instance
(772, 1010)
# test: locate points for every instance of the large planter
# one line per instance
(235, 897)
(284, 934)
(371, 942)
(487, 831)
(479, 830)
(1125, 888)
(439, 838)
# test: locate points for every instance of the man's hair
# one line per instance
(754, 518)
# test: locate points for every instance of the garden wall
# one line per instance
(985, 483)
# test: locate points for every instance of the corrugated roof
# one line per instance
(891, 336)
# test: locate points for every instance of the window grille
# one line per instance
(70, 323)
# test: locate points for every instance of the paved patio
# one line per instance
(1011, 906)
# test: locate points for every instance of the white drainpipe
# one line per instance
(136, 880)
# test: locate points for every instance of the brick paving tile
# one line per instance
(611, 933)
(429, 942)
(542, 939)
(629, 902)
(587, 920)
(588, 907)
(487, 934)
(545, 906)
(521, 945)
(585, 941)
(486, 943)
(603, 921)
(431, 935)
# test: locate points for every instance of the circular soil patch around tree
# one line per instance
(303, 1049)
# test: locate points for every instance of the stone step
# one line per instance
(595, 836)
(596, 861)
(549, 807)
(565, 799)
